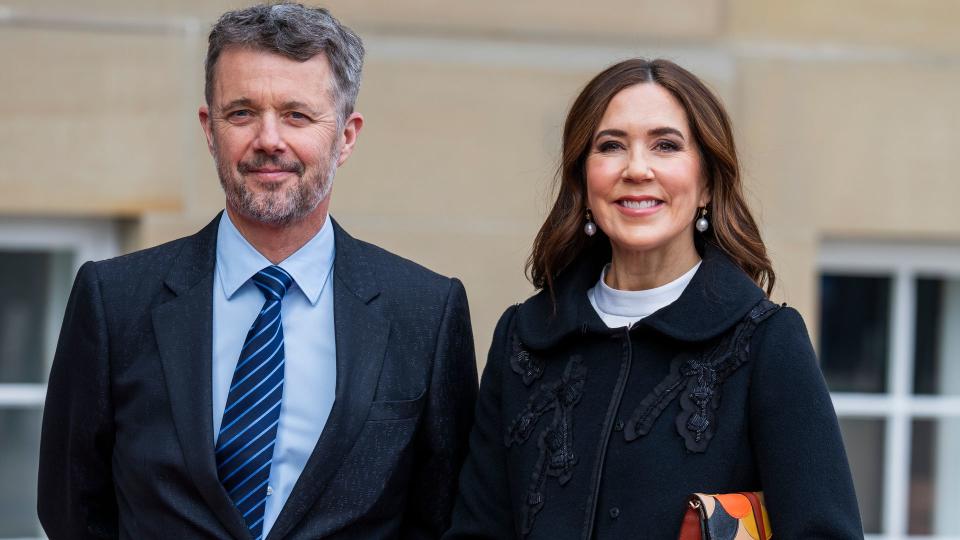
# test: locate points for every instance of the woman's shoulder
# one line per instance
(506, 320)
(504, 332)
(782, 327)
(782, 345)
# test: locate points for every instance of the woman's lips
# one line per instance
(638, 207)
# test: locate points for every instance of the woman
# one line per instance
(650, 365)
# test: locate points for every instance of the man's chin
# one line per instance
(272, 215)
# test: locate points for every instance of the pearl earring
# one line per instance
(702, 224)
(589, 228)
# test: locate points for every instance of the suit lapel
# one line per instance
(184, 330)
(361, 336)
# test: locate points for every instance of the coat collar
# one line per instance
(718, 296)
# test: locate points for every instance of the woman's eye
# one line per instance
(666, 146)
(609, 146)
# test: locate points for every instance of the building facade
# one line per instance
(847, 122)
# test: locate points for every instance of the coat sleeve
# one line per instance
(796, 439)
(76, 497)
(483, 510)
(445, 424)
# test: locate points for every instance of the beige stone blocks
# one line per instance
(854, 149)
(923, 25)
(446, 143)
(845, 114)
(601, 20)
(454, 170)
(92, 123)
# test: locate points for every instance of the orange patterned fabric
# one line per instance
(727, 516)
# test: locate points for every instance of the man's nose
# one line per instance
(269, 135)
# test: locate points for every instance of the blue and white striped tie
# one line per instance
(248, 430)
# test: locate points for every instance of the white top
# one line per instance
(623, 308)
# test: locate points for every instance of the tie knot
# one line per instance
(273, 282)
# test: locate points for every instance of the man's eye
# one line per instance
(243, 113)
(299, 116)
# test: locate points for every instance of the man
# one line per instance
(270, 376)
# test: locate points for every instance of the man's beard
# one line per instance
(281, 204)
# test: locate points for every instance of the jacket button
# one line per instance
(618, 426)
(614, 512)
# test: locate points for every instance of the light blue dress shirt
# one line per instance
(308, 339)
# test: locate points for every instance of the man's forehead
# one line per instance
(255, 58)
(241, 71)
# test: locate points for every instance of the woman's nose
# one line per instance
(637, 167)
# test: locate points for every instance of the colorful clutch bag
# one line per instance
(727, 516)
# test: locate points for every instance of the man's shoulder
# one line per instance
(155, 262)
(149, 258)
(396, 273)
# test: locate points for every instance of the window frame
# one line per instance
(898, 407)
(85, 239)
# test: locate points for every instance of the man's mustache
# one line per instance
(262, 160)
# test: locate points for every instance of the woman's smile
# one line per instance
(639, 206)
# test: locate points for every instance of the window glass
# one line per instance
(37, 266)
(934, 476)
(937, 329)
(20, 432)
(30, 313)
(863, 439)
(855, 332)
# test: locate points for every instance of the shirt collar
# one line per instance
(238, 261)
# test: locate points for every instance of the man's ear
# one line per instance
(348, 137)
(206, 123)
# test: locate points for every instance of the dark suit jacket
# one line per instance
(127, 442)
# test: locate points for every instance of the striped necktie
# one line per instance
(248, 430)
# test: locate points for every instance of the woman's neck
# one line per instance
(632, 270)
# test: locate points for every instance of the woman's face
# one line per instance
(644, 177)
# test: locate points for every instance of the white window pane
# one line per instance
(937, 347)
(934, 476)
(31, 289)
(855, 332)
(863, 439)
(20, 432)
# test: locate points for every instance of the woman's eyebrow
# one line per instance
(655, 132)
(660, 131)
(610, 133)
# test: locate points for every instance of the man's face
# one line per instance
(272, 129)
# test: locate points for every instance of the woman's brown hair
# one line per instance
(561, 240)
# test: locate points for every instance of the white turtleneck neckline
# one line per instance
(618, 308)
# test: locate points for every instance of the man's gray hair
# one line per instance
(297, 32)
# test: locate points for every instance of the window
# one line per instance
(889, 344)
(38, 260)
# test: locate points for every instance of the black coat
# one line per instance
(588, 432)
(127, 442)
